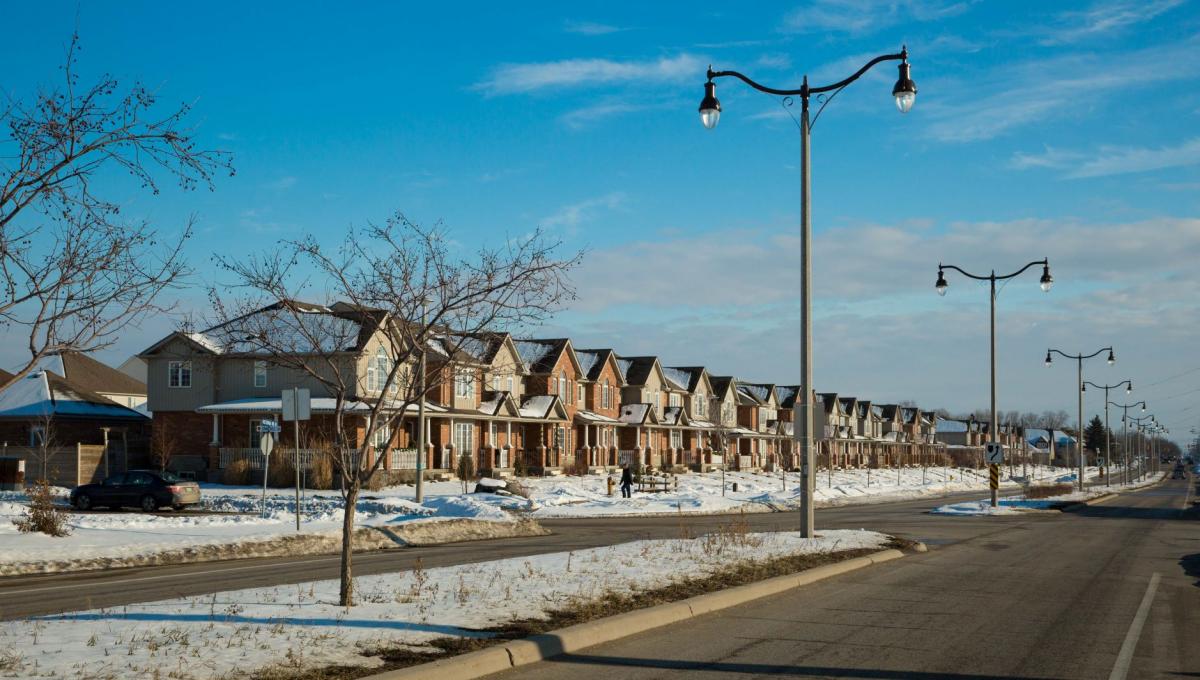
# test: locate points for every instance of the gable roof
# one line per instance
(540, 356)
(591, 363)
(690, 376)
(762, 392)
(786, 395)
(721, 384)
(42, 394)
(640, 368)
(86, 373)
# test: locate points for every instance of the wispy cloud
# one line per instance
(866, 16)
(575, 214)
(1112, 160)
(604, 110)
(282, 183)
(591, 28)
(777, 60)
(520, 78)
(1104, 18)
(1016, 95)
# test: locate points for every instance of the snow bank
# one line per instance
(1015, 505)
(236, 633)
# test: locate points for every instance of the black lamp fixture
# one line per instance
(710, 107)
(905, 90)
(941, 284)
(1047, 280)
(1112, 358)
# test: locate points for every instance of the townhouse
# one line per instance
(533, 404)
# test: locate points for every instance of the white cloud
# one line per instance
(1015, 95)
(517, 78)
(282, 183)
(866, 16)
(1105, 18)
(573, 215)
(590, 28)
(593, 114)
(1112, 160)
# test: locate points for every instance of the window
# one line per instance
(676, 439)
(464, 383)
(495, 383)
(562, 386)
(179, 374)
(674, 399)
(378, 370)
(582, 395)
(510, 384)
(260, 374)
(699, 408)
(255, 435)
(464, 434)
(605, 396)
(37, 435)
(560, 437)
(380, 437)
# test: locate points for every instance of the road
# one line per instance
(1110, 591)
(22, 596)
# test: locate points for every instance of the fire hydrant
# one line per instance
(610, 485)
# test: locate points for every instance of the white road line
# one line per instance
(1125, 657)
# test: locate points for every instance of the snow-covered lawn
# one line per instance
(233, 634)
(104, 539)
(1015, 505)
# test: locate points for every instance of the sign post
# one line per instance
(266, 443)
(995, 458)
(297, 406)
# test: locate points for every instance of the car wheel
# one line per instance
(149, 504)
(83, 502)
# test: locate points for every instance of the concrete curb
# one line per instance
(573, 638)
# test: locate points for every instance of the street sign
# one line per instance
(269, 427)
(995, 453)
(266, 444)
(297, 404)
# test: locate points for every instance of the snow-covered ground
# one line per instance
(1015, 505)
(232, 634)
(112, 538)
(101, 539)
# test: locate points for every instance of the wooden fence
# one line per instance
(67, 465)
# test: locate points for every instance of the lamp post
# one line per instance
(421, 434)
(905, 92)
(1108, 433)
(1144, 423)
(941, 286)
(1080, 390)
(1125, 432)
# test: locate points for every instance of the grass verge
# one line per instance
(609, 604)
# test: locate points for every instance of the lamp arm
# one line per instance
(805, 90)
(1045, 262)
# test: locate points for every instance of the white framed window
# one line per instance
(562, 386)
(582, 395)
(605, 396)
(255, 435)
(676, 439)
(464, 438)
(674, 399)
(37, 435)
(260, 373)
(380, 437)
(699, 408)
(495, 383)
(464, 383)
(510, 384)
(179, 374)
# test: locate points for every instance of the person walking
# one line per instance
(626, 481)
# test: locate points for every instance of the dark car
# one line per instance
(145, 489)
(1177, 473)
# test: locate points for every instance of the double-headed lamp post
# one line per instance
(1142, 424)
(1125, 432)
(1107, 433)
(1080, 389)
(905, 92)
(942, 285)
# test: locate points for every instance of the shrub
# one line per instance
(236, 473)
(579, 466)
(465, 469)
(42, 515)
(282, 472)
(519, 467)
(320, 473)
(1048, 490)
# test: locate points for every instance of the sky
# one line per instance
(1065, 130)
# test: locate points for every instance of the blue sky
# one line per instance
(1061, 130)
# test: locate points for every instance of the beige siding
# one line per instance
(236, 379)
(161, 397)
(505, 364)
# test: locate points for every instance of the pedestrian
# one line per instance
(626, 481)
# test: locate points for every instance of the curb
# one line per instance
(573, 638)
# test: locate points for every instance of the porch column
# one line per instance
(587, 445)
(508, 435)
(542, 446)
(453, 459)
(427, 445)
(216, 437)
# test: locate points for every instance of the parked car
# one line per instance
(1177, 473)
(145, 489)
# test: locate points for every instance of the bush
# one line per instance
(579, 466)
(320, 473)
(42, 515)
(465, 469)
(519, 467)
(236, 473)
(282, 472)
(1048, 490)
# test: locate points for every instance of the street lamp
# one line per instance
(1141, 442)
(1125, 430)
(1082, 387)
(941, 286)
(1107, 432)
(905, 92)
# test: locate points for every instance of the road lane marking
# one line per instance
(1125, 656)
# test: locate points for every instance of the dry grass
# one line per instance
(320, 473)
(1048, 490)
(236, 473)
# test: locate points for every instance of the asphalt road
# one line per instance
(1110, 591)
(22, 596)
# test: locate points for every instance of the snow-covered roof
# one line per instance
(786, 394)
(677, 378)
(592, 417)
(537, 406)
(588, 359)
(322, 405)
(948, 425)
(624, 365)
(761, 393)
(634, 414)
(300, 329)
(537, 355)
(740, 431)
(42, 394)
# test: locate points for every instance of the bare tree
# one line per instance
(43, 443)
(163, 444)
(75, 272)
(403, 279)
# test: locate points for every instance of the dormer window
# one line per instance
(464, 383)
(260, 373)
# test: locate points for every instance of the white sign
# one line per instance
(266, 443)
(269, 427)
(297, 404)
(995, 453)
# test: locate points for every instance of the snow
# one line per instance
(679, 379)
(40, 394)
(299, 626)
(1016, 505)
(129, 536)
(537, 406)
